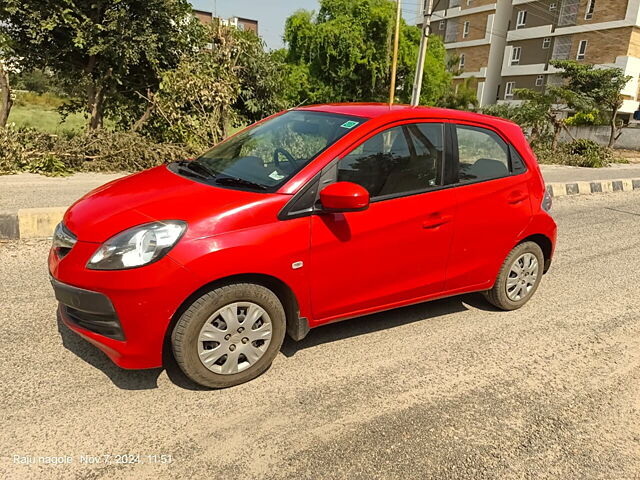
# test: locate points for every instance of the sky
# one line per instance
(271, 14)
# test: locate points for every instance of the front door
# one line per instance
(397, 250)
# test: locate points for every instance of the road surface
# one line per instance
(450, 389)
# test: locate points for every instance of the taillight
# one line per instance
(547, 201)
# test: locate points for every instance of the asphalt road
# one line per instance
(449, 389)
(28, 190)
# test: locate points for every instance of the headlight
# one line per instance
(137, 246)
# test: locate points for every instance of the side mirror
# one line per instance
(344, 197)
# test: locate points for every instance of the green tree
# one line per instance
(105, 52)
(537, 114)
(461, 98)
(38, 81)
(595, 88)
(233, 82)
(6, 101)
(344, 54)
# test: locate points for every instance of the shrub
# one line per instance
(46, 100)
(28, 150)
(582, 118)
(578, 153)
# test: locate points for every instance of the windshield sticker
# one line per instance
(276, 176)
(349, 124)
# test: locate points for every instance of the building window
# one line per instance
(515, 55)
(539, 80)
(552, 7)
(508, 91)
(591, 5)
(465, 30)
(582, 50)
(461, 64)
(521, 20)
(546, 43)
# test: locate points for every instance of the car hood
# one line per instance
(159, 194)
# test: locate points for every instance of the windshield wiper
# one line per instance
(196, 169)
(239, 182)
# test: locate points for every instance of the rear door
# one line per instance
(493, 204)
(397, 249)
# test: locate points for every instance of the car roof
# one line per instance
(376, 110)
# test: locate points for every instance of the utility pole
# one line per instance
(394, 63)
(424, 43)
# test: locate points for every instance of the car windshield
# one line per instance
(264, 157)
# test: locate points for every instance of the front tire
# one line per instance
(229, 335)
(518, 278)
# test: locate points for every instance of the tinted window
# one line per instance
(482, 154)
(399, 160)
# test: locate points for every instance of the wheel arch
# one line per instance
(545, 244)
(297, 326)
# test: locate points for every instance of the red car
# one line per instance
(311, 216)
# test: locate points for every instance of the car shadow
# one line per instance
(121, 378)
(385, 321)
(148, 379)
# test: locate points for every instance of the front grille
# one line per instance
(102, 324)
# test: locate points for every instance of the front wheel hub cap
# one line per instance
(222, 349)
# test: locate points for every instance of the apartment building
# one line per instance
(237, 22)
(474, 32)
(508, 44)
(600, 32)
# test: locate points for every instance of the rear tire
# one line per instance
(519, 277)
(229, 335)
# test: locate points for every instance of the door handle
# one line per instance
(436, 220)
(517, 197)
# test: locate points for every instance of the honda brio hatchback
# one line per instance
(313, 215)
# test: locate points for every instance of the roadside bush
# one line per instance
(28, 150)
(46, 100)
(578, 153)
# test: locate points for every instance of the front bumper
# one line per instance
(89, 310)
(124, 313)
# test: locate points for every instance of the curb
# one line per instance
(587, 188)
(30, 222)
(40, 222)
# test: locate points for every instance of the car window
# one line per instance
(403, 159)
(482, 154)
